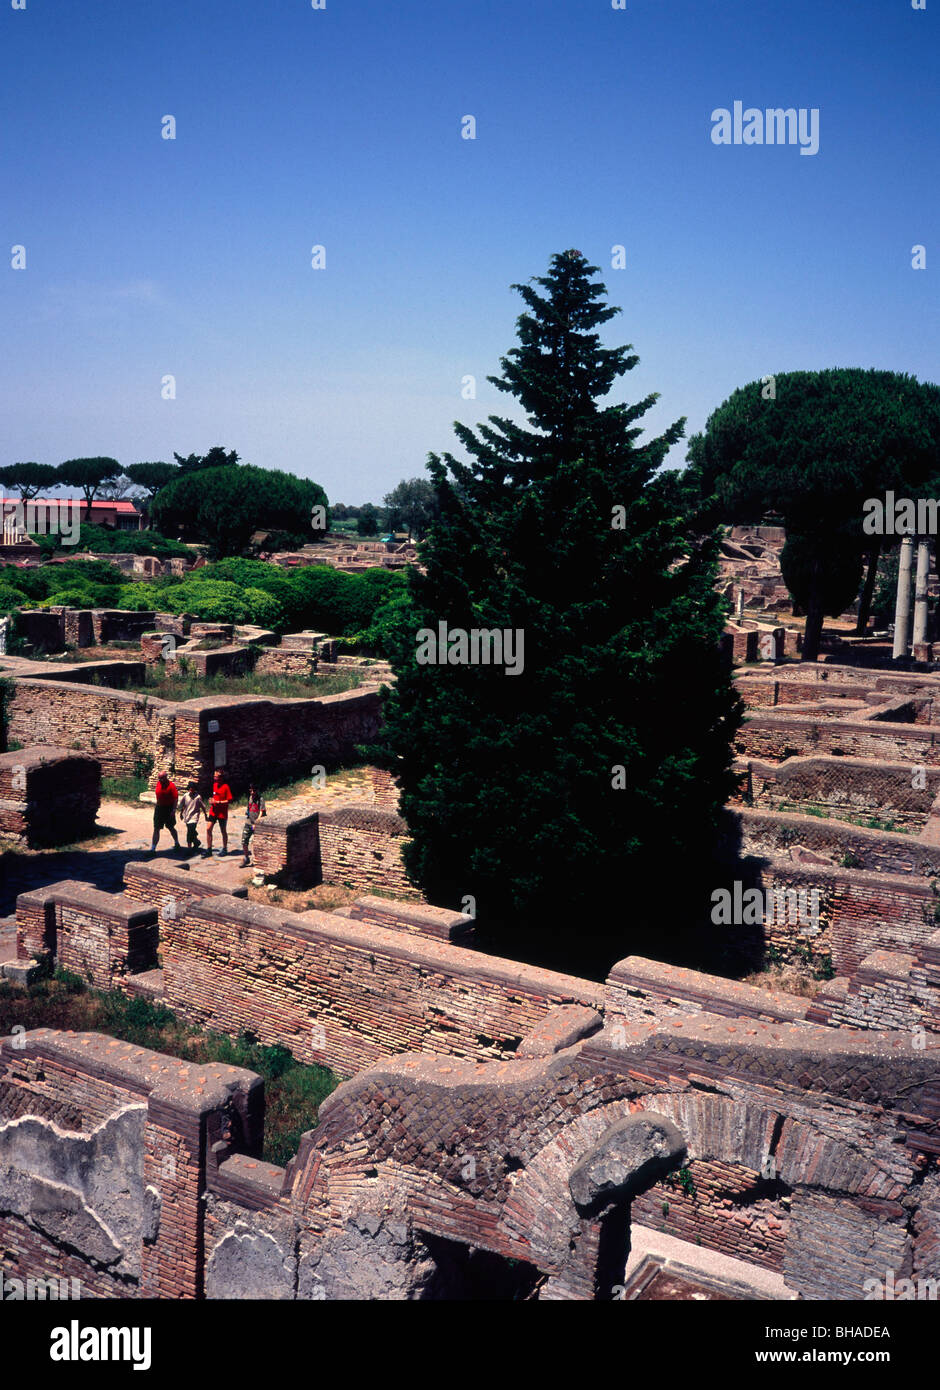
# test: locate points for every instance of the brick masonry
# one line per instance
(48, 795)
(255, 738)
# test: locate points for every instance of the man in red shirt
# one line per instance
(218, 812)
(164, 815)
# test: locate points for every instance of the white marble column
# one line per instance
(902, 611)
(920, 592)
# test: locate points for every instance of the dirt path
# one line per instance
(124, 831)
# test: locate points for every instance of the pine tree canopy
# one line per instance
(567, 797)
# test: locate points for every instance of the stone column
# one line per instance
(920, 592)
(902, 612)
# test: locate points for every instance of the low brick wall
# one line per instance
(361, 848)
(99, 936)
(776, 737)
(640, 990)
(439, 923)
(283, 661)
(346, 993)
(156, 883)
(286, 849)
(776, 833)
(858, 912)
(883, 791)
(48, 795)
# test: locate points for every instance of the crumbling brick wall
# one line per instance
(753, 831)
(106, 1153)
(361, 849)
(344, 993)
(776, 736)
(885, 791)
(48, 795)
(122, 730)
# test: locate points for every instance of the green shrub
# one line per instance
(264, 609)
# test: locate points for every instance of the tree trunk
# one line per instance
(868, 590)
(814, 626)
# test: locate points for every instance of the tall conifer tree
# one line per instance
(578, 793)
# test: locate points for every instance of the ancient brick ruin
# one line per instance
(48, 795)
(546, 1127)
(491, 1106)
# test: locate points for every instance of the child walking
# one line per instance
(191, 807)
(255, 809)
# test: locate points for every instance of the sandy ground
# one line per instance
(124, 833)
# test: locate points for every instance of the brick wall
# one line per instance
(775, 833)
(113, 726)
(48, 795)
(99, 936)
(846, 786)
(260, 739)
(783, 736)
(361, 848)
(233, 966)
(286, 849)
(723, 1207)
(266, 739)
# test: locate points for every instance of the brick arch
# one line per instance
(540, 1214)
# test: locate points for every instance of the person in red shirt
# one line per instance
(218, 812)
(164, 814)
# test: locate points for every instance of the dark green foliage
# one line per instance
(813, 453)
(215, 458)
(11, 599)
(224, 506)
(105, 540)
(886, 588)
(78, 583)
(29, 479)
(368, 521)
(833, 571)
(507, 779)
(152, 476)
(412, 505)
(343, 604)
(89, 475)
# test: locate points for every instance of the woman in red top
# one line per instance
(218, 812)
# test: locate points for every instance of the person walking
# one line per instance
(191, 807)
(164, 814)
(218, 812)
(253, 811)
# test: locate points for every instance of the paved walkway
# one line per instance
(124, 832)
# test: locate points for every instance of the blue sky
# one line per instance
(342, 127)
